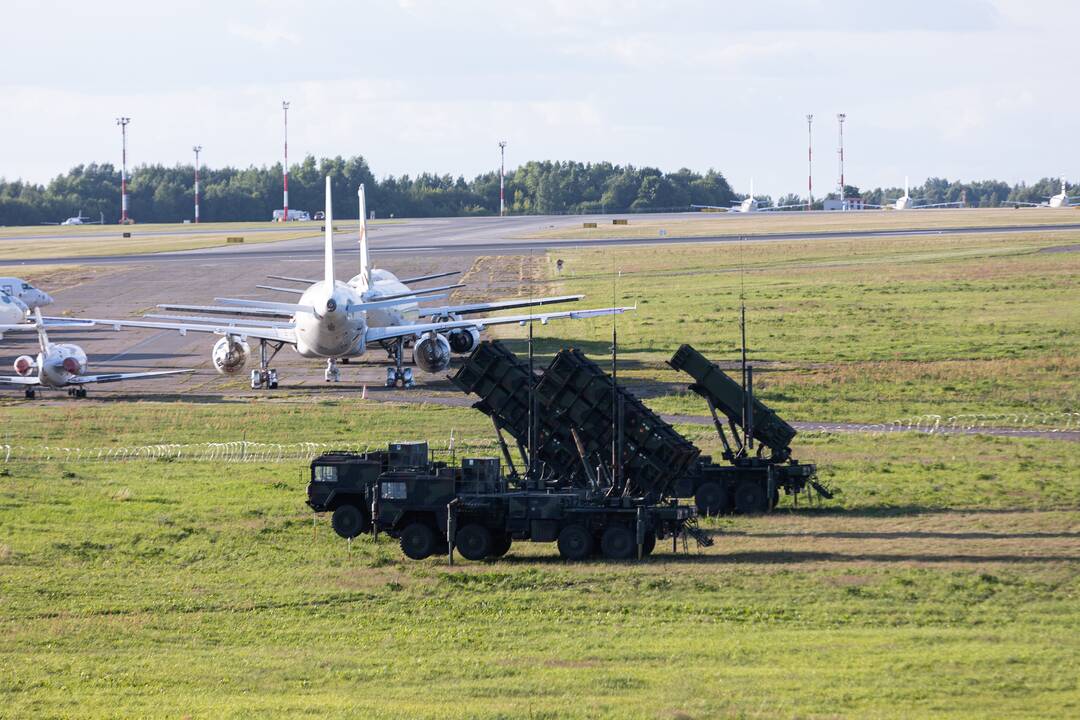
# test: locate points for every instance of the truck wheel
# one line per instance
(417, 541)
(649, 545)
(575, 543)
(750, 498)
(500, 545)
(775, 499)
(474, 542)
(712, 499)
(348, 521)
(618, 543)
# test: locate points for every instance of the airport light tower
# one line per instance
(285, 215)
(502, 178)
(123, 123)
(197, 149)
(810, 162)
(841, 117)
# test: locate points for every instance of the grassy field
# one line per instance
(90, 240)
(868, 330)
(707, 224)
(941, 582)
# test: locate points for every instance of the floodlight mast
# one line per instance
(502, 178)
(123, 123)
(285, 215)
(197, 149)
(841, 117)
(810, 162)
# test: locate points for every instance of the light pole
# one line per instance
(285, 108)
(502, 176)
(841, 117)
(197, 149)
(810, 162)
(123, 123)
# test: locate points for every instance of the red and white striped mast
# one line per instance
(502, 176)
(810, 162)
(123, 123)
(285, 107)
(197, 149)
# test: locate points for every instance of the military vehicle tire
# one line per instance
(474, 542)
(750, 498)
(712, 499)
(500, 545)
(418, 541)
(618, 543)
(775, 499)
(649, 545)
(575, 542)
(348, 521)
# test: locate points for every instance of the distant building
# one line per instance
(852, 203)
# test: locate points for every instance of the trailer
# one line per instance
(432, 508)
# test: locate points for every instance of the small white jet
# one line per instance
(906, 202)
(61, 365)
(748, 204)
(1061, 200)
(79, 219)
(335, 320)
(24, 292)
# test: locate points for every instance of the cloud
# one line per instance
(267, 35)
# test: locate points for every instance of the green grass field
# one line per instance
(941, 582)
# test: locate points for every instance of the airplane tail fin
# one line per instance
(906, 191)
(329, 250)
(1063, 190)
(43, 338)
(365, 274)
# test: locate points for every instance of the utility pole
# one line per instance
(502, 177)
(123, 123)
(197, 149)
(285, 108)
(841, 117)
(810, 162)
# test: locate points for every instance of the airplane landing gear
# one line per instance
(265, 375)
(332, 372)
(30, 393)
(76, 392)
(399, 373)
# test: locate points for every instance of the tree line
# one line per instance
(157, 193)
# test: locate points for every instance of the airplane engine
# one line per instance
(25, 365)
(464, 340)
(230, 355)
(431, 353)
(73, 366)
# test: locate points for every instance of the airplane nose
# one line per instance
(331, 305)
(46, 299)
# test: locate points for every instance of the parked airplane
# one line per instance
(337, 321)
(1061, 200)
(748, 204)
(25, 292)
(79, 219)
(61, 365)
(906, 202)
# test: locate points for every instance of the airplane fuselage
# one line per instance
(384, 283)
(904, 202)
(59, 364)
(1059, 201)
(334, 329)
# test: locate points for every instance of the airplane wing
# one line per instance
(116, 377)
(221, 310)
(295, 291)
(782, 207)
(375, 335)
(422, 278)
(713, 207)
(212, 320)
(19, 380)
(56, 324)
(306, 281)
(937, 205)
(447, 310)
(286, 333)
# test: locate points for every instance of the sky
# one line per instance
(963, 89)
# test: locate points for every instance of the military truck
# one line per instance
(430, 507)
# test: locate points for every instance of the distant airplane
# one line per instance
(61, 365)
(25, 292)
(79, 219)
(338, 321)
(748, 204)
(1061, 200)
(906, 202)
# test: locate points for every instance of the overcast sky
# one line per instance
(965, 89)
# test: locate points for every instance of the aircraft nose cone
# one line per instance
(331, 305)
(46, 299)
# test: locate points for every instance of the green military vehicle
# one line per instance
(430, 507)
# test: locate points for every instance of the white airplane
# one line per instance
(906, 202)
(61, 365)
(337, 321)
(24, 292)
(79, 219)
(1061, 200)
(748, 204)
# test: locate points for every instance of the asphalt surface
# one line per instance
(130, 285)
